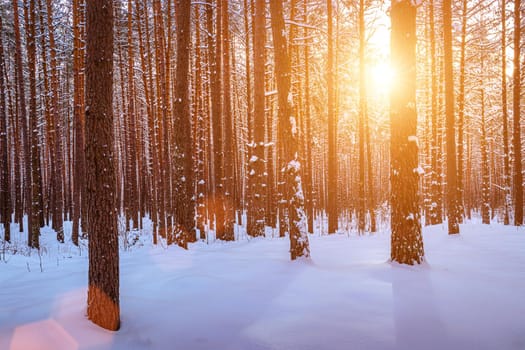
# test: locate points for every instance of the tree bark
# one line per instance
(103, 292)
(452, 176)
(518, 176)
(505, 116)
(299, 246)
(5, 191)
(257, 162)
(332, 205)
(406, 239)
(184, 201)
(229, 181)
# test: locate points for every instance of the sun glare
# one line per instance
(380, 77)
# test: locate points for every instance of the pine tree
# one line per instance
(103, 292)
(332, 207)
(452, 178)
(299, 246)
(184, 201)
(257, 162)
(407, 240)
(518, 176)
(5, 191)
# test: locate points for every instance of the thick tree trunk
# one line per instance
(406, 240)
(299, 246)
(103, 292)
(184, 201)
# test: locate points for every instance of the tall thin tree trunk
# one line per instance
(362, 116)
(217, 127)
(57, 188)
(461, 112)
(518, 176)
(78, 119)
(436, 206)
(505, 116)
(133, 202)
(229, 205)
(308, 180)
(5, 191)
(23, 186)
(200, 130)
(452, 176)
(257, 162)
(485, 173)
(36, 181)
(332, 205)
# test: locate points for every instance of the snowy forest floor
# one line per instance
(247, 295)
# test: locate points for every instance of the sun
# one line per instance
(380, 77)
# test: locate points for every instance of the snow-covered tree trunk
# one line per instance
(256, 209)
(450, 127)
(299, 246)
(5, 192)
(184, 200)
(518, 176)
(406, 240)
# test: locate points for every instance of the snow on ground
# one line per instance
(248, 295)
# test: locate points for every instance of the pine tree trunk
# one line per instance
(506, 153)
(200, 130)
(103, 293)
(36, 191)
(308, 178)
(436, 206)
(184, 202)
(215, 55)
(133, 202)
(79, 160)
(5, 191)
(229, 204)
(518, 176)
(461, 112)
(23, 187)
(332, 205)
(485, 174)
(257, 162)
(370, 179)
(452, 176)
(362, 116)
(406, 239)
(299, 246)
(58, 163)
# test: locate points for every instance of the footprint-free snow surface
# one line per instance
(247, 295)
